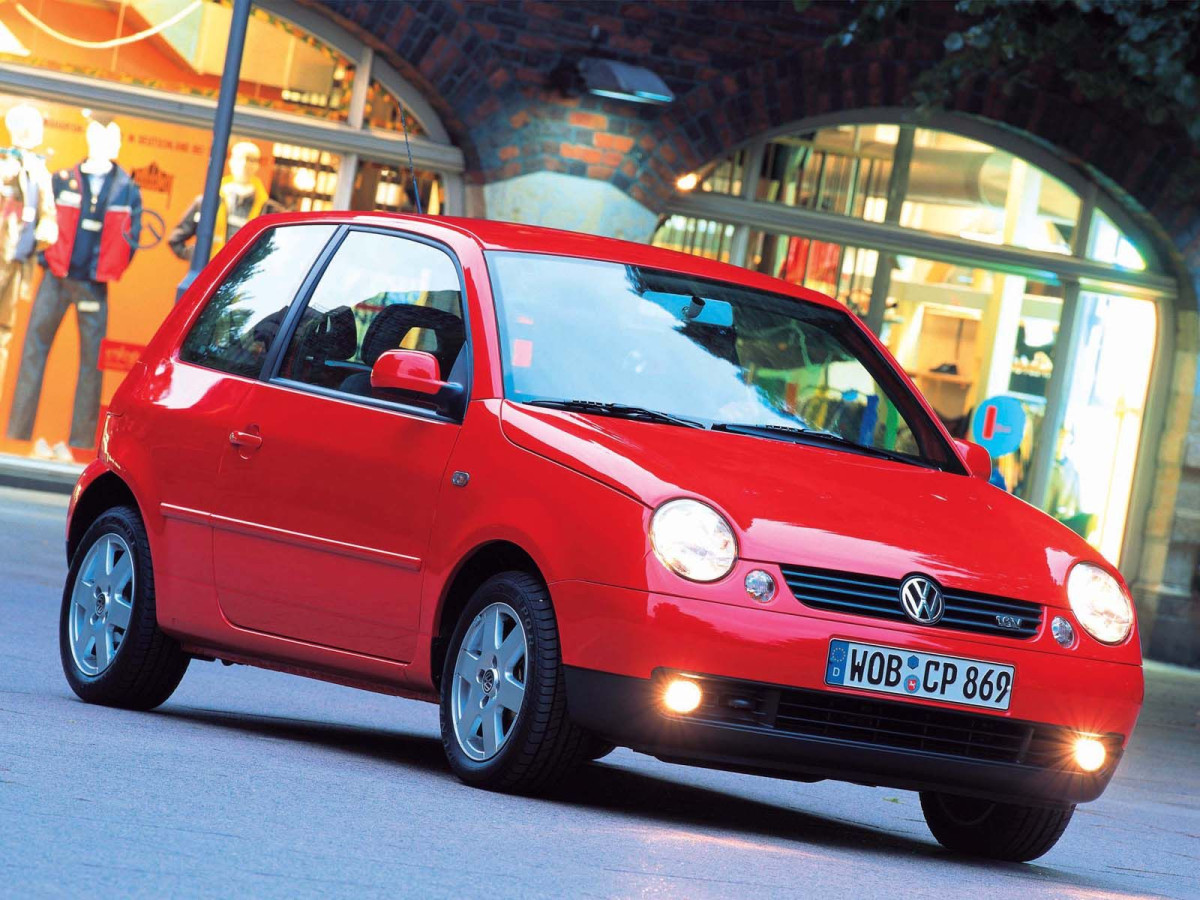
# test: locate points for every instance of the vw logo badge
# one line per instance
(922, 600)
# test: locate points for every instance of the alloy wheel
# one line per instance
(488, 687)
(101, 604)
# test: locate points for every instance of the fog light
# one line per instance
(760, 586)
(1062, 631)
(1089, 754)
(681, 696)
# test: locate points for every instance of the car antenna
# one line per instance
(411, 170)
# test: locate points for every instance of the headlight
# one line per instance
(693, 540)
(1099, 603)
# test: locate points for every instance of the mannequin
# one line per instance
(243, 198)
(99, 211)
(27, 223)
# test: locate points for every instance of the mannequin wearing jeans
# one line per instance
(99, 218)
(27, 222)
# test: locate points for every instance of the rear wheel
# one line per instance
(112, 650)
(504, 706)
(1006, 831)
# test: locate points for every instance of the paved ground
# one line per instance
(250, 783)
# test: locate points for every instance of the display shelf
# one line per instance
(942, 377)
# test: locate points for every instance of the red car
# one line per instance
(586, 493)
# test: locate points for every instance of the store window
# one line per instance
(303, 179)
(284, 67)
(842, 170)
(389, 188)
(955, 186)
(61, 361)
(723, 177)
(65, 346)
(1107, 243)
(844, 273)
(700, 237)
(1098, 445)
(969, 326)
(967, 189)
(383, 112)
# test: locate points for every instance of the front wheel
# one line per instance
(1006, 831)
(503, 706)
(112, 650)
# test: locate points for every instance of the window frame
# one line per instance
(321, 260)
(269, 374)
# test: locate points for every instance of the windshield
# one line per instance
(717, 354)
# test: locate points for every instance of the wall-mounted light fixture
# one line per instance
(593, 74)
(622, 81)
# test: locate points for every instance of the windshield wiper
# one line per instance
(619, 410)
(803, 435)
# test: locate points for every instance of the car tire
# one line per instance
(987, 828)
(536, 746)
(113, 652)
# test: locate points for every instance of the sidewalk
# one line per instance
(38, 474)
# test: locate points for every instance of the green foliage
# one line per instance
(1141, 55)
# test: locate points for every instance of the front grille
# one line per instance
(885, 723)
(869, 595)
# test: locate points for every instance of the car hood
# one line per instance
(813, 506)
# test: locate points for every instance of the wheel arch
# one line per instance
(104, 492)
(476, 567)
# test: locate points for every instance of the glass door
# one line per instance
(1092, 476)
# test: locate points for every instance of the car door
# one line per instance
(187, 399)
(328, 488)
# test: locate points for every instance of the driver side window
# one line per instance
(379, 292)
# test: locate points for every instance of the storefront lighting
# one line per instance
(9, 45)
(687, 181)
(304, 180)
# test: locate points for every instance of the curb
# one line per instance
(38, 475)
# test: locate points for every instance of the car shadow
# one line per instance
(611, 787)
(418, 751)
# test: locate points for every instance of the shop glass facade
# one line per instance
(284, 68)
(965, 331)
(322, 89)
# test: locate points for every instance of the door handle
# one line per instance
(246, 440)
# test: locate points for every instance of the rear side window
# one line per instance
(239, 324)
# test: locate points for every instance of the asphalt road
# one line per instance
(252, 783)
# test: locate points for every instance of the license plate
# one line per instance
(889, 670)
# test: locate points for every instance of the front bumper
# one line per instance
(749, 738)
(618, 642)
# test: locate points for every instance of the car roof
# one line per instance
(516, 237)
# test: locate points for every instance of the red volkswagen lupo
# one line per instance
(587, 493)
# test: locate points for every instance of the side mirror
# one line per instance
(407, 370)
(979, 461)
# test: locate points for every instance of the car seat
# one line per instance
(391, 326)
(323, 342)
